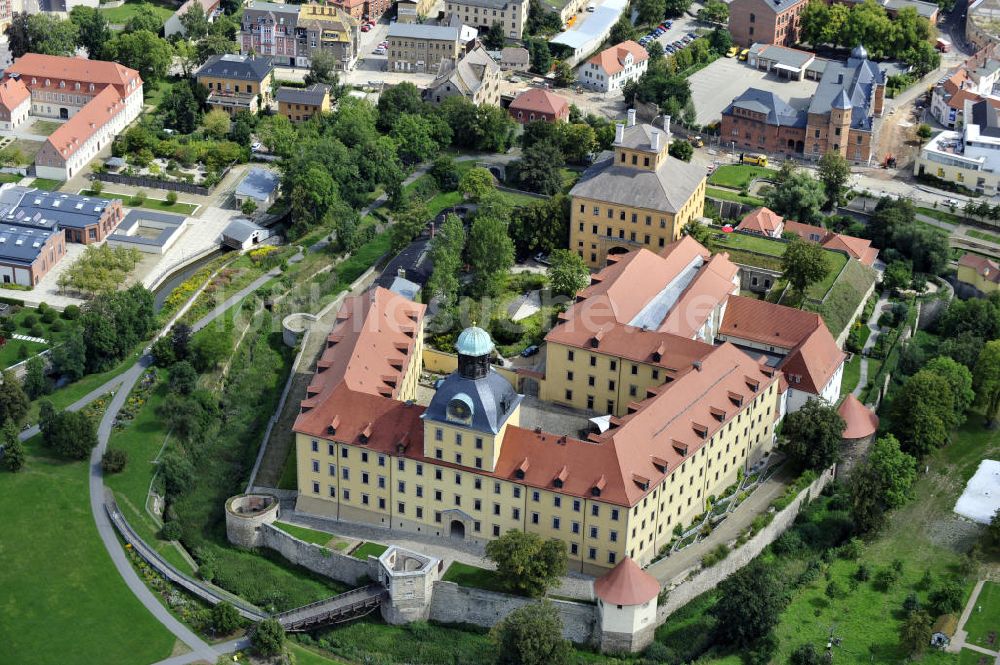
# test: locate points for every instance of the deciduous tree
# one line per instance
(195, 22)
(750, 603)
(924, 413)
(880, 483)
(526, 562)
(476, 183)
(269, 638)
(834, 172)
(915, 632)
(812, 435)
(13, 449)
(144, 51)
(13, 402)
(323, 69)
(144, 18)
(491, 254)
(803, 264)
(531, 635)
(799, 198)
(986, 380)
(92, 30)
(568, 273)
(216, 123)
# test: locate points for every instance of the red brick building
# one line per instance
(765, 21)
(539, 104)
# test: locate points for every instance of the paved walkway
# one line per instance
(869, 343)
(958, 642)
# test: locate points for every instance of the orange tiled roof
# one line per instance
(860, 421)
(856, 248)
(611, 58)
(626, 584)
(72, 134)
(13, 93)
(812, 363)
(72, 69)
(985, 267)
(540, 101)
(762, 220)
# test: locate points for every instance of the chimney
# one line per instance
(631, 117)
(654, 141)
(666, 125)
(619, 133)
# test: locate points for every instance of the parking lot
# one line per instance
(715, 86)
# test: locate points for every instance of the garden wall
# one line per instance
(156, 183)
(452, 603)
(709, 578)
(321, 560)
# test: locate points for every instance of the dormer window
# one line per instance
(334, 424)
(680, 447)
(598, 486)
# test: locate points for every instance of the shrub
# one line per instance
(911, 604)
(37, 330)
(885, 579)
(29, 320)
(850, 550)
(171, 530)
(834, 590)
(171, 197)
(862, 574)
(49, 315)
(114, 460)
(947, 598)
(71, 313)
(57, 326)
(715, 555)
(138, 199)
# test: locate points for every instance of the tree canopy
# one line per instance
(526, 562)
(880, 483)
(531, 635)
(812, 435)
(750, 603)
(803, 264)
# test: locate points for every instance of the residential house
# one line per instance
(511, 15)
(98, 99)
(973, 80)
(237, 82)
(420, 47)
(539, 104)
(858, 249)
(174, 26)
(475, 76)
(762, 221)
(15, 103)
(513, 58)
(765, 21)
(980, 273)
(970, 157)
(640, 197)
(842, 116)
(298, 104)
(613, 67)
(291, 33)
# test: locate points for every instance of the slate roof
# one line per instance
(312, 95)
(666, 189)
(468, 73)
(424, 31)
(232, 66)
(34, 208)
(492, 399)
(779, 112)
(241, 230)
(849, 84)
(986, 117)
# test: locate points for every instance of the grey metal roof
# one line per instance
(491, 398)
(259, 184)
(424, 31)
(782, 55)
(38, 209)
(242, 229)
(20, 245)
(985, 116)
(779, 112)
(314, 94)
(778, 6)
(170, 225)
(274, 7)
(666, 189)
(232, 66)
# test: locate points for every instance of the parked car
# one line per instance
(530, 351)
(744, 54)
(733, 52)
(256, 146)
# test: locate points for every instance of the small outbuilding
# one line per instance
(626, 599)
(260, 186)
(241, 233)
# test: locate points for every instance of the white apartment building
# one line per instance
(613, 67)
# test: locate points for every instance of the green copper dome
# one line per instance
(474, 341)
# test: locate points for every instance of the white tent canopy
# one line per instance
(981, 498)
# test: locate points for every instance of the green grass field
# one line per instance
(47, 184)
(730, 195)
(10, 177)
(985, 618)
(852, 373)
(364, 550)
(71, 393)
(465, 575)
(983, 235)
(940, 215)
(738, 176)
(63, 600)
(143, 439)
(749, 242)
(44, 127)
(160, 205)
(11, 353)
(312, 536)
(121, 15)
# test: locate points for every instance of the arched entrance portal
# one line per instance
(64, 113)
(457, 529)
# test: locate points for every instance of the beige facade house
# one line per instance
(613, 67)
(979, 272)
(420, 47)
(970, 157)
(642, 197)
(476, 76)
(482, 14)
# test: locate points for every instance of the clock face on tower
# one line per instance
(459, 410)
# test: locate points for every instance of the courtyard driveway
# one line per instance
(715, 86)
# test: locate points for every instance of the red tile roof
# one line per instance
(812, 363)
(612, 58)
(985, 267)
(71, 69)
(856, 248)
(762, 220)
(626, 584)
(860, 421)
(538, 100)
(13, 93)
(72, 134)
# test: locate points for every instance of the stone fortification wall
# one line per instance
(321, 560)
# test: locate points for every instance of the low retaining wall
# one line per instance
(452, 603)
(709, 578)
(321, 560)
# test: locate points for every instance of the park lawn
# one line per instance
(72, 392)
(985, 617)
(731, 195)
(749, 242)
(44, 127)
(48, 330)
(160, 205)
(852, 373)
(10, 177)
(312, 536)
(366, 549)
(11, 352)
(983, 235)
(121, 15)
(63, 598)
(738, 176)
(304, 656)
(48, 184)
(866, 618)
(143, 438)
(463, 574)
